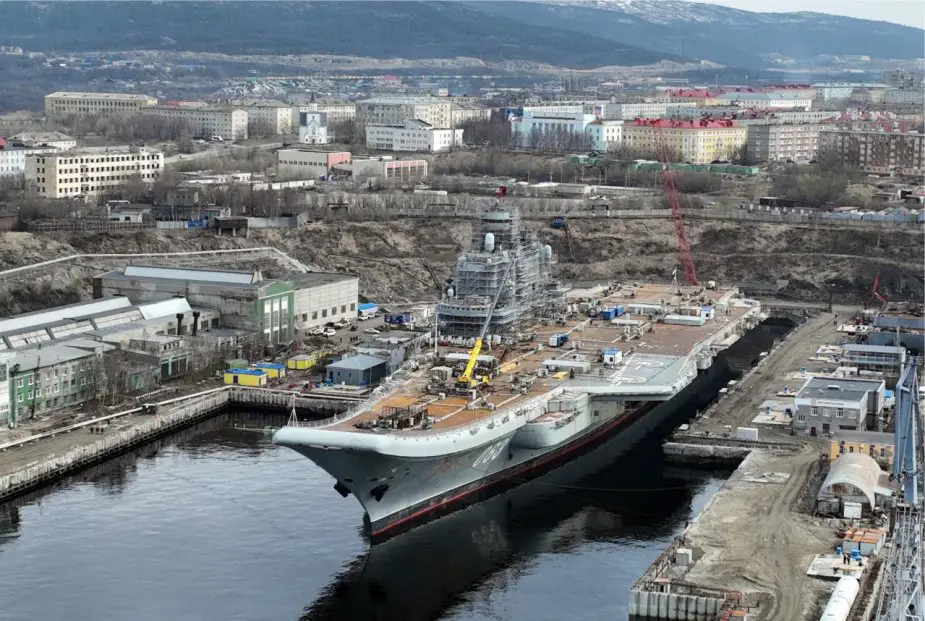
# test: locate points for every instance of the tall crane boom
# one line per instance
(684, 247)
(466, 377)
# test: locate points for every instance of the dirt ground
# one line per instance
(750, 538)
(741, 405)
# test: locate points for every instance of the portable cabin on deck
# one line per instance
(272, 369)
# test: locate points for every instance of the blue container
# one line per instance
(837, 550)
(618, 311)
(607, 315)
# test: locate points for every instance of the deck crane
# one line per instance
(465, 380)
(664, 155)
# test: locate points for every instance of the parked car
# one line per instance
(329, 332)
(316, 331)
(370, 331)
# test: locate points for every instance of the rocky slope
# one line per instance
(406, 260)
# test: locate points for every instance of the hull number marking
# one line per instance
(489, 454)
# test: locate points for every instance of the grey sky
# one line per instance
(908, 12)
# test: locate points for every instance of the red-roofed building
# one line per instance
(697, 141)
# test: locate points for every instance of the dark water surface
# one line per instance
(218, 524)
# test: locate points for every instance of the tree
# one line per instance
(347, 132)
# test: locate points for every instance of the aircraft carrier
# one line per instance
(559, 373)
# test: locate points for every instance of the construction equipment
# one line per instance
(465, 380)
(664, 155)
(875, 294)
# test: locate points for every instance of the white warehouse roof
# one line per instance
(72, 311)
(164, 308)
(858, 470)
(214, 276)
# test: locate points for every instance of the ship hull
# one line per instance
(398, 493)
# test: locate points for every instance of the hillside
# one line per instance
(413, 30)
(717, 33)
(394, 258)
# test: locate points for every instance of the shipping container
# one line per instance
(272, 369)
(245, 377)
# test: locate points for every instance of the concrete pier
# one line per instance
(95, 440)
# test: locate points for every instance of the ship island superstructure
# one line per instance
(561, 372)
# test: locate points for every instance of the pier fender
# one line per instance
(341, 489)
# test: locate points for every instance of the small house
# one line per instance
(246, 377)
(272, 369)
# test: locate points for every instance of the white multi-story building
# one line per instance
(54, 140)
(338, 112)
(435, 111)
(13, 159)
(536, 131)
(605, 134)
(62, 104)
(779, 141)
(208, 122)
(412, 135)
(89, 172)
(765, 100)
(645, 110)
(313, 126)
(557, 109)
(467, 113)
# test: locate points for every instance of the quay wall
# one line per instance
(171, 416)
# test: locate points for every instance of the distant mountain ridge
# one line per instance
(401, 29)
(718, 33)
(578, 34)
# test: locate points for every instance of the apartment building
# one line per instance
(412, 135)
(337, 112)
(876, 152)
(89, 172)
(467, 113)
(646, 110)
(62, 104)
(313, 126)
(900, 78)
(909, 96)
(436, 111)
(697, 142)
(54, 140)
(230, 124)
(769, 142)
(309, 164)
(268, 118)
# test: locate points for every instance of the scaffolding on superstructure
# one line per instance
(480, 272)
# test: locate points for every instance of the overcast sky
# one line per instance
(908, 12)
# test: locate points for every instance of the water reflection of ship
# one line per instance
(620, 490)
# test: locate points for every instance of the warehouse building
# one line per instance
(827, 404)
(309, 164)
(246, 300)
(358, 370)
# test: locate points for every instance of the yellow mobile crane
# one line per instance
(465, 380)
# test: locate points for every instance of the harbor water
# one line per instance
(217, 523)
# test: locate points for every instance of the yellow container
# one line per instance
(246, 377)
(273, 370)
(301, 363)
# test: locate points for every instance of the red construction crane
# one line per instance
(684, 247)
(875, 294)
